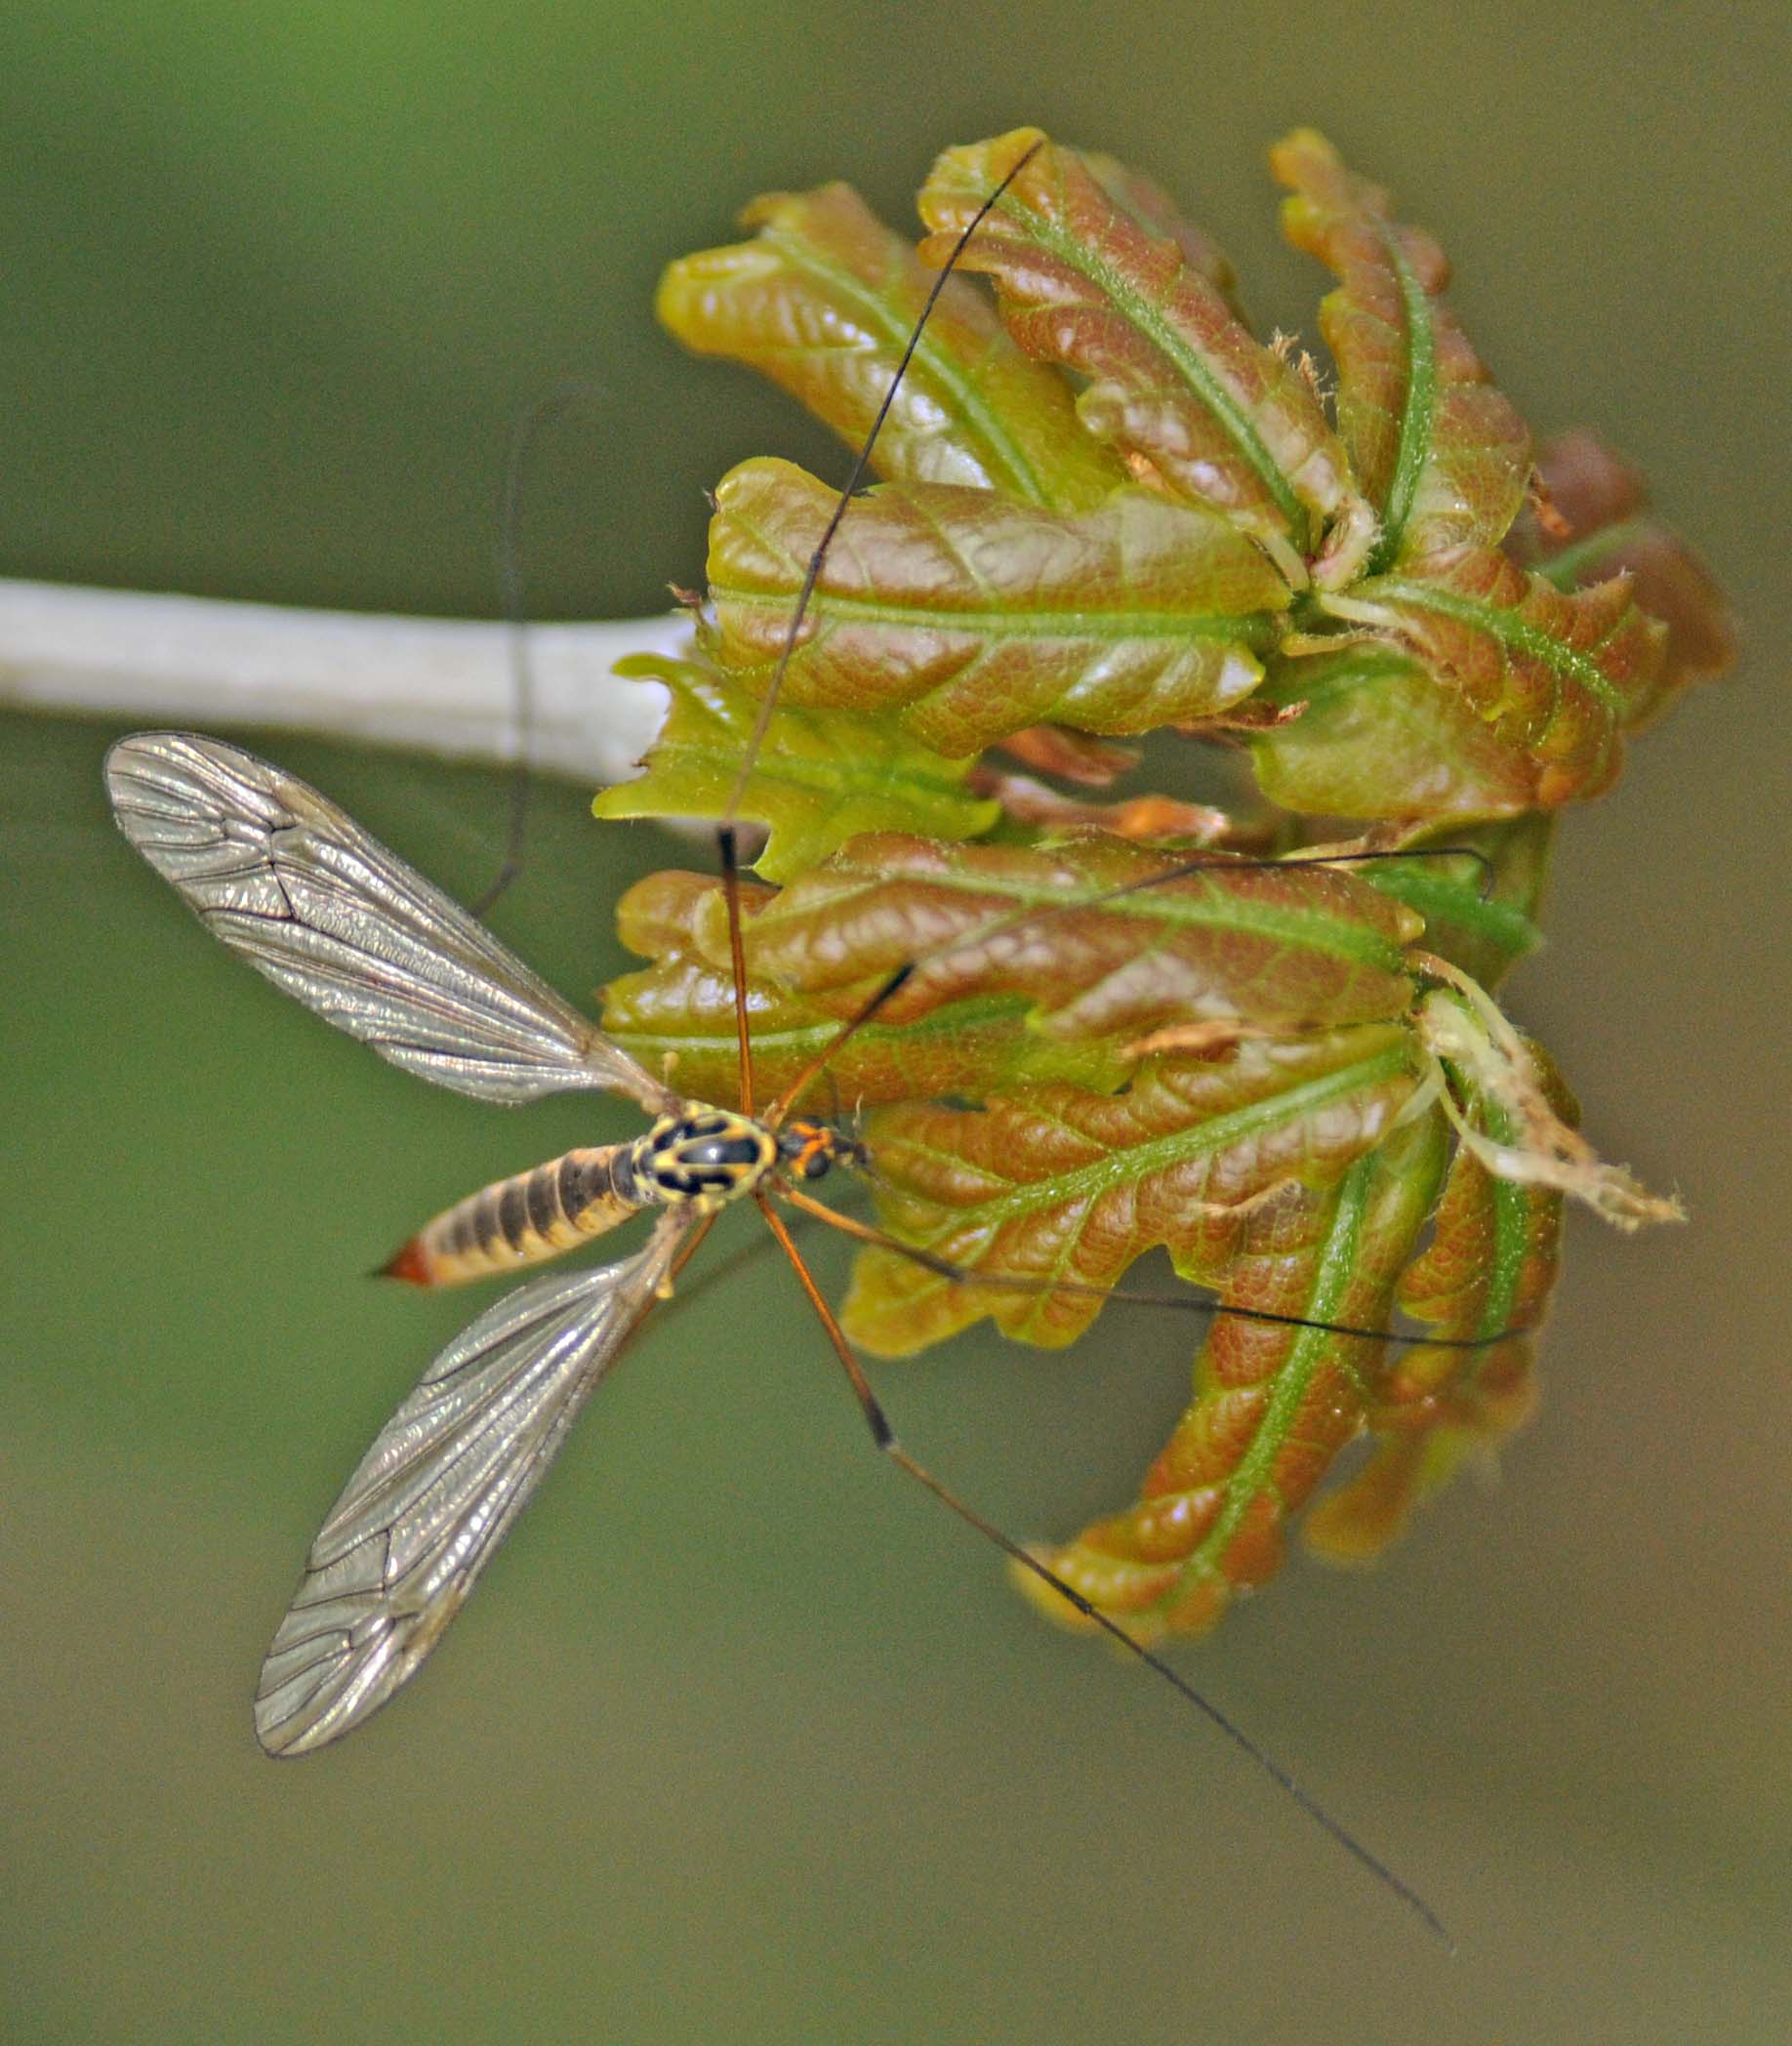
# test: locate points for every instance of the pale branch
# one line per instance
(432, 686)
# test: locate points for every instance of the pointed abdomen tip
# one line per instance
(409, 1262)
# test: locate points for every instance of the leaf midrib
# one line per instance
(1339, 937)
(1416, 410)
(940, 366)
(1255, 631)
(1567, 663)
(1249, 1477)
(1138, 312)
(1206, 1139)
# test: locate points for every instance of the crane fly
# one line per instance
(291, 883)
(319, 907)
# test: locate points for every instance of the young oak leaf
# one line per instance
(1491, 1266)
(1599, 526)
(1388, 736)
(1056, 1183)
(1029, 964)
(1273, 1406)
(1173, 378)
(967, 617)
(1379, 738)
(824, 302)
(1556, 676)
(1105, 940)
(682, 1008)
(1146, 201)
(1444, 457)
(821, 777)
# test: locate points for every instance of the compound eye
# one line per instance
(816, 1165)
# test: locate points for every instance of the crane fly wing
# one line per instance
(323, 909)
(437, 1491)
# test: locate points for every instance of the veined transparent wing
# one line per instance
(327, 912)
(437, 1491)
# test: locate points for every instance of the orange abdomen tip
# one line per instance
(411, 1262)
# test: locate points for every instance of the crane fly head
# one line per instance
(808, 1148)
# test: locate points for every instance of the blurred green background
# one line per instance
(743, 1742)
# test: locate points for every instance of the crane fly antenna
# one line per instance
(518, 465)
(884, 1435)
(1127, 1296)
(884, 994)
(861, 461)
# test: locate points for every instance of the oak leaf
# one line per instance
(1441, 454)
(819, 778)
(1170, 376)
(970, 617)
(824, 302)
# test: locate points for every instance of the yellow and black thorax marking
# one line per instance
(701, 1156)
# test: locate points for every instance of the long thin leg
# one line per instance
(687, 1250)
(762, 723)
(884, 1435)
(512, 600)
(1073, 1288)
(737, 949)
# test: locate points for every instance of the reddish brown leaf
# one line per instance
(1442, 455)
(1605, 528)
(682, 1008)
(824, 302)
(1055, 1183)
(1021, 976)
(1287, 947)
(1556, 676)
(1151, 207)
(1173, 378)
(1492, 1266)
(969, 617)
(1273, 1406)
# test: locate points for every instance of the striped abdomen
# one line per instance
(525, 1219)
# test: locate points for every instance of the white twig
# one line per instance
(433, 685)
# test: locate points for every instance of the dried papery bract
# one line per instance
(1111, 508)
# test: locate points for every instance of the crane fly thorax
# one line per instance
(712, 1156)
(702, 1156)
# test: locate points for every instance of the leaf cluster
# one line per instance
(1108, 510)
